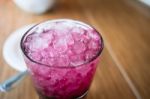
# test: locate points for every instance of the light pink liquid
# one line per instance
(62, 58)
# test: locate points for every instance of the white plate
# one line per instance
(12, 51)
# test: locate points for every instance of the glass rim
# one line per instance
(56, 20)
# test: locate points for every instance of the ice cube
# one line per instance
(85, 39)
(69, 39)
(51, 61)
(93, 45)
(44, 71)
(62, 61)
(61, 30)
(47, 36)
(38, 30)
(50, 52)
(76, 60)
(78, 30)
(39, 43)
(93, 35)
(36, 56)
(60, 45)
(90, 54)
(79, 47)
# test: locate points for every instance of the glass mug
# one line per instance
(61, 57)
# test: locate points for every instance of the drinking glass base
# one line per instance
(84, 96)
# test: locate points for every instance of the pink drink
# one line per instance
(61, 56)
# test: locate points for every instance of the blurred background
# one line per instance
(124, 69)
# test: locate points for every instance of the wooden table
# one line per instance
(124, 70)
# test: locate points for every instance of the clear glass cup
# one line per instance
(61, 82)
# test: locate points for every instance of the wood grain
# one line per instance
(126, 30)
(126, 56)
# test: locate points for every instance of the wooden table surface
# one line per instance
(124, 70)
